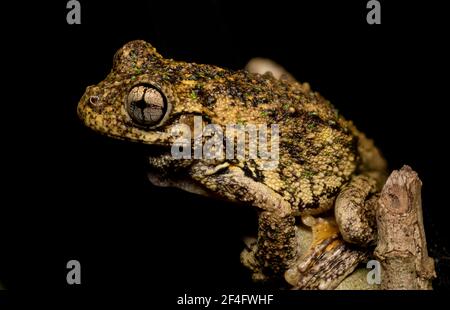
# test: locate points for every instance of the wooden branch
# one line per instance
(402, 248)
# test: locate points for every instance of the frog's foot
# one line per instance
(275, 249)
(328, 260)
(264, 65)
(248, 259)
(355, 209)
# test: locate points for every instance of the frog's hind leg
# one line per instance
(355, 209)
(328, 260)
(263, 65)
(340, 245)
(276, 246)
(355, 205)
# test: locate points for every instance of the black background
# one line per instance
(72, 194)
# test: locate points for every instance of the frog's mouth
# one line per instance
(131, 148)
(113, 128)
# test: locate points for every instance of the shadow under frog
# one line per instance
(325, 165)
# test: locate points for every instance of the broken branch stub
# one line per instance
(402, 248)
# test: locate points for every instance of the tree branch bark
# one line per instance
(402, 248)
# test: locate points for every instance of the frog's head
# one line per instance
(142, 97)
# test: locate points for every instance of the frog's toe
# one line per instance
(325, 269)
(328, 260)
(248, 254)
(248, 259)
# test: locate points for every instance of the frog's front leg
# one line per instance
(276, 246)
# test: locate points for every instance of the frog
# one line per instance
(328, 173)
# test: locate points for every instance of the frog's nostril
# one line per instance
(95, 101)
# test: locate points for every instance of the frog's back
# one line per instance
(318, 150)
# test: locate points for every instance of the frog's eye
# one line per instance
(146, 105)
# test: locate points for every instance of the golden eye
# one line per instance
(146, 105)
